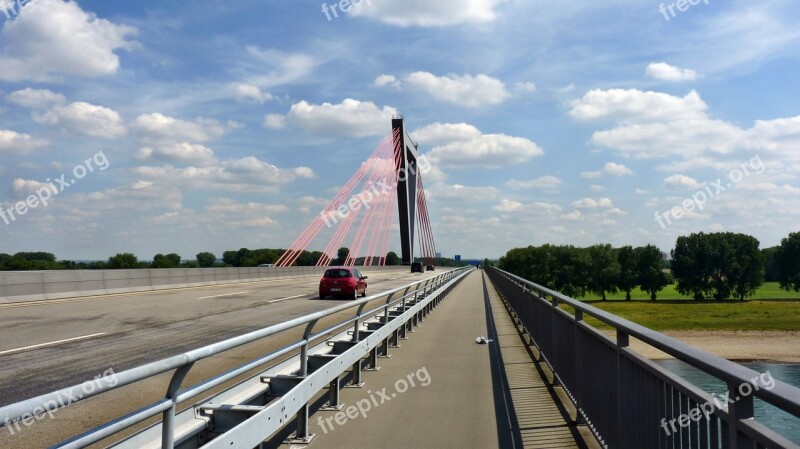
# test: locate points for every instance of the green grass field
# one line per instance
(770, 309)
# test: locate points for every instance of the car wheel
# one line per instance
(355, 293)
(364, 295)
(321, 296)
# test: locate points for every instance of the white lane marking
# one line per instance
(284, 299)
(220, 296)
(52, 343)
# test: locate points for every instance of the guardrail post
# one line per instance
(168, 417)
(304, 349)
(302, 435)
(357, 325)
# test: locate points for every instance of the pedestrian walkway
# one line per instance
(443, 390)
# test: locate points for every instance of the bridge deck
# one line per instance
(466, 395)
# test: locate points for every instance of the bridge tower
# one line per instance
(405, 151)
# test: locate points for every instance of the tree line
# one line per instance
(244, 257)
(703, 265)
(599, 269)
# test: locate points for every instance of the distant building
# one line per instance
(438, 255)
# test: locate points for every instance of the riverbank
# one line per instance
(772, 346)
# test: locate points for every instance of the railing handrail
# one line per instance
(783, 395)
(16, 411)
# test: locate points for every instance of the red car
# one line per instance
(342, 281)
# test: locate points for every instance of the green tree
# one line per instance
(604, 270)
(627, 279)
(566, 266)
(392, 258)
(771, 271)
(341, 256)
(650, 275)
(123, 260)
(206, 259)
(231, 258)
(174, 260)
(744, 271)
(308, 258)
(788, 261)
(691, 265)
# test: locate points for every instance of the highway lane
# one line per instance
(54, 344)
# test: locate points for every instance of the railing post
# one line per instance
(168, 417)
(741, 408)
(623, 341)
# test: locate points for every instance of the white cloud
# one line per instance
(665, 72)
(462, 145)
(610, 169)
(597, 188)
(56, 38)
(507, 205)
(526, 87)
(275, 121)
(35, 98)
(24, 187)
(572, 216)
(444, 133)
(429, 14)
(305, 172)
(682, 182)
(386, 80)
(272, 68)
(246, 174)
(634, 104)
(543, 182)
(461, 193)
(351, 118)
(248, 93)
(12, 142)
(589, 203)
(463, 90)
(659, 125)
(182, 152)
(84, 118)
(157, 127)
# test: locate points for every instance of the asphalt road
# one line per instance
(48, 345)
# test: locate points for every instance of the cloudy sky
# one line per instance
(230, 124)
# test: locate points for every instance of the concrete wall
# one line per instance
(21, 286)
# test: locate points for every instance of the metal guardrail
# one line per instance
(265, 402)
(629, 401)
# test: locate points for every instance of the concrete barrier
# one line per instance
(23, 286)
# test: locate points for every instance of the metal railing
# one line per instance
(627, 400)
(265, 407)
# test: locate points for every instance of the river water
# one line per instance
(782, 422)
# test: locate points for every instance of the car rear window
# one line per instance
(337, 274)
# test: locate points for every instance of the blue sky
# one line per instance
(230, 124)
